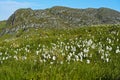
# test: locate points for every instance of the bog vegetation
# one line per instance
(86, 53)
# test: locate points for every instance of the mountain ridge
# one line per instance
(60, 16)
(72, 16)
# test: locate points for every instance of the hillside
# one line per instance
(87, 53)
(2, 24)
(60, 43)
(59, 16)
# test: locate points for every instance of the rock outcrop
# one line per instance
(62, 17)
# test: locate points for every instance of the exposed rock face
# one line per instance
(62, 17)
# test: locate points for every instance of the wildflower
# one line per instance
(54, 58)
(88, 61)
(117, 51)
(6, 57)
(44, 60)
(102, 57)
(24, 57)
(108, 48)
(37, 52)
(107, 59)
(3, 58)
(93, 46)
(1, 53)
(73, 49)
(76, 57)
(51, 62)
(68, 57)
(86, 50)
(117, 40)
(61, 62)
(15, 57)
(48, 56)
(81, 58)
(89, 42)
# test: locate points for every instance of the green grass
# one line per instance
(2, 24)
(87, 53)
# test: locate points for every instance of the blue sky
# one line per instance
(7, 7)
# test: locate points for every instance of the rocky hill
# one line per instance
(28, 51)
(61, 17)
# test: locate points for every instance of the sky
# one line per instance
(8, 7)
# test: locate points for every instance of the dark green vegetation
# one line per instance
(86, 53)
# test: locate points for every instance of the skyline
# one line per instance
(8, 7)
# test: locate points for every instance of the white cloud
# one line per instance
(8, 7)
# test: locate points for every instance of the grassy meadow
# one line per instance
(84, 53)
